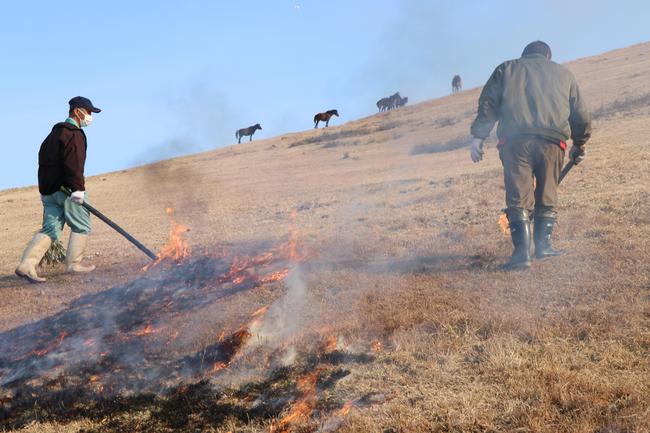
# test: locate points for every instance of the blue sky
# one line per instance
(180, 77)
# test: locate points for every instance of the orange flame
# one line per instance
(503, 223)
(345, 409)
(292, 248)
(302, 407)
(173, 335)
(51, 346)
(177, 248)
(147, 330)
(275, 276)
(257, 317)
(237, 340)
(260, 311)
(240, 279)
(330, 344)
(377, 346)
(218, 366)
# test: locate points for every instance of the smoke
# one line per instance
(425, 44)
(169, 149)
(207, 115)
(409, 55)
(204, 119)
(286, 317)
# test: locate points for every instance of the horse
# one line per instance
(325, 117)
(456, 84)
(388, 103)
(391, 102)
(247, 132)
(383, 104)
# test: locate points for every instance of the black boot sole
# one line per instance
(522, 266)
(548, 255)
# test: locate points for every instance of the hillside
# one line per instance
(397, 308)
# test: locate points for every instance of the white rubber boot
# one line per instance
(32, 256)
(75, 252)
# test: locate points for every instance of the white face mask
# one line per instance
(86, 120)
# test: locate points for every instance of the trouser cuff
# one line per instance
(545, 212)
(517, 214)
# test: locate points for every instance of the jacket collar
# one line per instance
(70, 127)
(67, 125)
(534, 56)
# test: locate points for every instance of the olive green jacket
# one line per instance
(533, 96)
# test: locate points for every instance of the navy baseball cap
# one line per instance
(81, 102)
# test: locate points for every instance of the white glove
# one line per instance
(77, 197)
(476, 149)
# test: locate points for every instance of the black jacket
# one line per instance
(61, 159)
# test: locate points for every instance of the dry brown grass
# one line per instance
(409, 249)
(447, 146)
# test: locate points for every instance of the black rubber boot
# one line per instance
(520, 232)
(543, 231)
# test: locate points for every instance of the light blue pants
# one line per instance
(58, 210)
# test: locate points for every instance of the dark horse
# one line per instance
(384, 104)
(247, 131)
(390, 102)
(325, 117)
(456, 84)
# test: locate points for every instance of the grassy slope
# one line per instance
(409, 254)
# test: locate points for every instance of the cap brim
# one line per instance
(96, 110)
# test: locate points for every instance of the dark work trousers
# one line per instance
(526, 159)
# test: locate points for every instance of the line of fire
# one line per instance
(128, 341)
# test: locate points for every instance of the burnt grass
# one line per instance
(49, 374)
(48, 367)
(334, 138)
(111, 321)
(456, 143)
(620, 106)
(187, 407)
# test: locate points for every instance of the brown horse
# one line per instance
(325, 117)
(247, 132)
(456, 84)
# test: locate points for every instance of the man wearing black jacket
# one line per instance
(61, 162)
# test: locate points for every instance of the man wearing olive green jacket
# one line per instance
(539, 107)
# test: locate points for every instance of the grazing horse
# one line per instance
(325, 117)
(247, 132)
(456, 84)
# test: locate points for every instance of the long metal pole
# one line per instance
(117, 228)
(567, 168)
